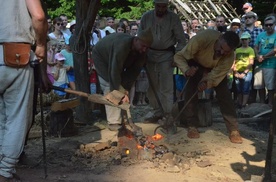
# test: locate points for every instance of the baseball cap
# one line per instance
(246, 5)
(161, 1)
(146, 36)
(59, 57)
(245, 35)
(109, 29)
(236, 20)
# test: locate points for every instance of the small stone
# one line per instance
(102, 146)
(173, 169)
(167, 156)
(204, 163)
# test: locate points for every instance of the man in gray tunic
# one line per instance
(168, 37)
(118, 60)
(23, 23)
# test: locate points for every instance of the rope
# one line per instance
(82, 33)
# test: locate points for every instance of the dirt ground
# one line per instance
(212, 157)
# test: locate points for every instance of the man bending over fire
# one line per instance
(207, 58)
(118, 60)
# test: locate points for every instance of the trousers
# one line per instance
(161, 75)
(113, 114)
(224, 97)
(16, 107)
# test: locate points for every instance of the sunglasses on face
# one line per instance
(59, 24)
(248, 17)
(269, 25)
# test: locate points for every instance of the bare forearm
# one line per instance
(38, 21)
(270, 54)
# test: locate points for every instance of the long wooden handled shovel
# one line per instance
(96, 98)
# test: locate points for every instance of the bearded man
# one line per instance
(207, 59)
(168, 37)
(118, 60)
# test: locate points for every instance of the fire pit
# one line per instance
(141, 147)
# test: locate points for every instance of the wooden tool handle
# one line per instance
(79, 93)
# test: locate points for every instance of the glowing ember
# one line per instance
(157, 137)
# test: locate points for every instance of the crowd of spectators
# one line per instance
(244, 81)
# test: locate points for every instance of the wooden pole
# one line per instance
(268, 161)
(86, 11)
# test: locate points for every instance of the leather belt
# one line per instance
(2, 55)
(171, 48)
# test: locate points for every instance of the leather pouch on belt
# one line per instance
(16, 55)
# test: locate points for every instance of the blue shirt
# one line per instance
(266, 43)
(254, 33)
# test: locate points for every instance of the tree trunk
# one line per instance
(86, 11)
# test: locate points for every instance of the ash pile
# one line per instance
(130, 150)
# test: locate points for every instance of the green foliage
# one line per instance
(133, 9)
(130, 9)
(136, 10)
(57, 7)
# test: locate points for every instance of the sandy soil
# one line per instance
(212, 157)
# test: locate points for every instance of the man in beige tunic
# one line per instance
(206, 59)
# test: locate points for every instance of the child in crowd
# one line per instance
(60, 75)
(121, 28)
(69, 62)
(244, 60)
(92, 73)
(142, 85)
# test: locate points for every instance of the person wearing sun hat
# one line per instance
(118, 60)
(60, 75)
(244, 59)
(248, 25)
(235, 25)
(72, 26)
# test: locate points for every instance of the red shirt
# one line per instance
(93, 75)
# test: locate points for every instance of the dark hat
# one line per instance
(251, 13)
(146, 36)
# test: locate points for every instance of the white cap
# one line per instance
(236, 20)
(109, 29)
(73, 22)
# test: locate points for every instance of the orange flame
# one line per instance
(157, 137)
(139, 147)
